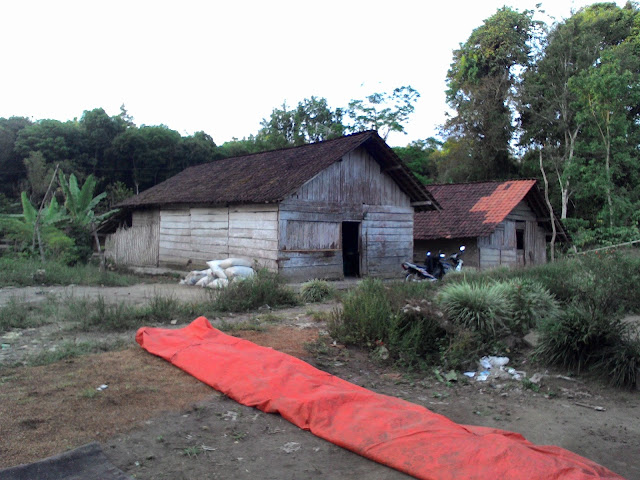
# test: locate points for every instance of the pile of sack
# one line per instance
(220, 273)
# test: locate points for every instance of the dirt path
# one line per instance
(156, 422)
(135, 294)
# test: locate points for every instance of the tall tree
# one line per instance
(143, 157)
(12, 169)
(608, 95)
(548, 107)
(61, 143)
(311, 121)
(419, 157)
(383, 112)
(196, 149)
(99, 129)
(480, 90)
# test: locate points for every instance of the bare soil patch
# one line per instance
(154, 421)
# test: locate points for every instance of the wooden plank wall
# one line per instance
(535, 241)
(500, 247)
(192, 236)
(352, 190)
(388, 233)
(253, 233)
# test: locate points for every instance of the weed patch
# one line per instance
(17, 314)
(26, 272)
(69, 350)
(264, 288)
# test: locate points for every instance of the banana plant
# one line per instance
(31, 227)
(81, 203)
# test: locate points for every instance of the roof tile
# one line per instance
(270, 176)
(469, 209)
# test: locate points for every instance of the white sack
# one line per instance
(214, 263)
(218, 283)
(203, 281)
(216, 270)
(239, 271)
(219, 273)
(235, 262)
(193, 277)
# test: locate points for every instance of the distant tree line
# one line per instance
(560, 102)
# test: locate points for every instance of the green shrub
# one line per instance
(264, 288)
(462, 351)
(364, 317)
(579, 337)
(619, 365)
(316, 291)
(415, 336)
(529, 303)
(477, 307)
(608, 282)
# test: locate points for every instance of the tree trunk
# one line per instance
(608, 171)
(552, 216)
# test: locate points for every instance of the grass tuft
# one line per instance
(482, 308)
(316, 291)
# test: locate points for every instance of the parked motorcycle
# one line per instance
(417, 273)
(444, 265)
(434, 268)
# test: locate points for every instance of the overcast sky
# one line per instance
(222, 66)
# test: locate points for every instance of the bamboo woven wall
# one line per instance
(134, 246)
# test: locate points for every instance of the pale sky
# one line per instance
(222, 66)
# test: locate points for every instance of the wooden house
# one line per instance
(500, 223)
(331, 209)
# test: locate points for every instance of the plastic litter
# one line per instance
(493, 362)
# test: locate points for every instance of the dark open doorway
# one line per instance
(351, 249)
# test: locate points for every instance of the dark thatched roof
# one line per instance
(269, 177)
(471, 210)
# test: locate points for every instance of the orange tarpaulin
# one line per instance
(391, 431)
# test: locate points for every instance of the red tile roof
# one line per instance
(471, 210)
(270, 176)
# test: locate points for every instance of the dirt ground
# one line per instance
(154, 421)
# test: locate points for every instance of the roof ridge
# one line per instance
(304, 145)
(478, 182)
